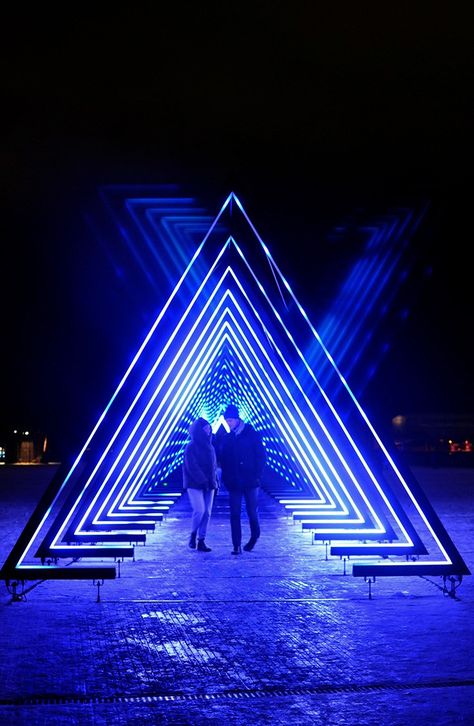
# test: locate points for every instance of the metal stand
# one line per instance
(98, 584)
(370, 580)
(49, 560)
(327, 543)
(12, 587)
(454, 582)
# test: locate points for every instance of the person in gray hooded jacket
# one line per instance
(200, 480)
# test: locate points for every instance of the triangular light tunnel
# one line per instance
(233, 330)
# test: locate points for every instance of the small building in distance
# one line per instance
(435, 438)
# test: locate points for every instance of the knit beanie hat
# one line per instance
(231, 411)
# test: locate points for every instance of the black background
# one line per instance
(306, 113)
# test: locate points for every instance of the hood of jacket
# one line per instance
(197, 433)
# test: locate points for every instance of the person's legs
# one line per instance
(196, 497)
(251, 505)
(235, 504)
(208, 499)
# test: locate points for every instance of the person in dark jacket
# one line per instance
(242, 459)
(200, 480)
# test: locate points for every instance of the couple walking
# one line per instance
(241, 458)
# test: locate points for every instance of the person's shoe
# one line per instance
(250, 545)
(236, 551)
(202, 546)
(192, 541)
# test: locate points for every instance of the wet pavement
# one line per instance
(284, 633)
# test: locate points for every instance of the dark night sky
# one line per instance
(306, 114)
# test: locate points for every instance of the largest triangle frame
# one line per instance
(233, 330)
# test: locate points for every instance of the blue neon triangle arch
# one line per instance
(173, 401)
(223, 320)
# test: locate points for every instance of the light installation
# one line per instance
(232, 329)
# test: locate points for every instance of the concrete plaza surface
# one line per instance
(276, 636)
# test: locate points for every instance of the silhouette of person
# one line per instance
(200, 480)
(242, 459)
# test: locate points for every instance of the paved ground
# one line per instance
(275, 636)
